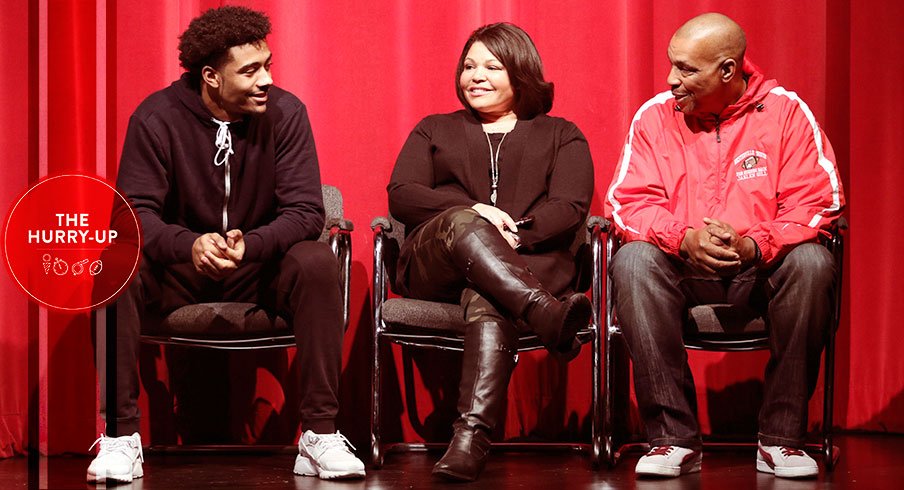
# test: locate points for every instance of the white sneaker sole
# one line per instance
(137, 472)
(787, 472)
(648, 469)
(305, 467)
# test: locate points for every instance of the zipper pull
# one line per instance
(718, 136)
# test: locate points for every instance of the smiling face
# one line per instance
(240, 86)
(485, 84)
(696, 77)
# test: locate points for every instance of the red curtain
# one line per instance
(368, 71)
(14, 131)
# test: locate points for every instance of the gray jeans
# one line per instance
(653, 292)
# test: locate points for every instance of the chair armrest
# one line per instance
(380, 226)
(597, 226)
(340, 223)
(340, 242)
(603, 223)
(381, 222)
(841, 224)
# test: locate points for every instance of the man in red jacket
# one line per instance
(723, 187)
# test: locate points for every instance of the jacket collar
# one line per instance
(752, 98)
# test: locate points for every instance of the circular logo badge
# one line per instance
(72, 242)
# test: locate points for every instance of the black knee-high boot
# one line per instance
(497, 270)
(488, 360)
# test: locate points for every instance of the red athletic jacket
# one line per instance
(763, 166)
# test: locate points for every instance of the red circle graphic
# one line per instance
(72, 242)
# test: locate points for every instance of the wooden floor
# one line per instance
(867, 461)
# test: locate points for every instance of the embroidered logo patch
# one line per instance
(749, 161)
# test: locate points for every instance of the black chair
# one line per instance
(715, 327)
(243, 326)
(435, 325)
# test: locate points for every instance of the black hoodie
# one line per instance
(169, 174)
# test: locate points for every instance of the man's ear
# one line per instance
(210, 76)
(728, 69)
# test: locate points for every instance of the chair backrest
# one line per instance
(395, 236)
(333, 210)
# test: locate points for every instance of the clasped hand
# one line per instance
(217, 257)
(717, 248)
(501, 220)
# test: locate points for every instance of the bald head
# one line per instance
(707, 56)
(717, 35)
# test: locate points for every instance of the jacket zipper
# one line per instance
(718, 127)
(226, 198)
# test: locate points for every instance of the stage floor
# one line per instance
(867, 461)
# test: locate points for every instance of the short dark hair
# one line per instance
(209, 36)
(518, 54)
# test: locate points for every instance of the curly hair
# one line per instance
(209, 36)
(516, 51)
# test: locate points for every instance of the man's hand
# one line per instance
(235, 246)
(501, 220)
(208, 254)
(705, 251)
(745, 247)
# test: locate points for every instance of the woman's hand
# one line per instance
(501, 220)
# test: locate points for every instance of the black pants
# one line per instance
(303, 287)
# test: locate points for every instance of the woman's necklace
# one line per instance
(494, 166)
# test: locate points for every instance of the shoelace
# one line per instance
(660, 451)
(224, 142)
(791, 451)
(110, 444)
(327, 441)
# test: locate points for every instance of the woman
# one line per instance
(460, 183)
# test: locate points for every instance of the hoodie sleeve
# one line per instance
(809, 191)
(637, 202)
(144, 177)
(299, 213)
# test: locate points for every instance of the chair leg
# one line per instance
(596, 401)
(828, 402)
(608, 443)
(376, 449)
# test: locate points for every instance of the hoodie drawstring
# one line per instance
(224, 148)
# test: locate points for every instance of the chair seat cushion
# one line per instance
(722, 320)
(222, 320)
(429, 322)
(403, 313)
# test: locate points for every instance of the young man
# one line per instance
(222, 171)
(723, 187)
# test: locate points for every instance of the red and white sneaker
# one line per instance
(669, 461)
(785, 462)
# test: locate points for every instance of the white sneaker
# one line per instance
(327, 456)
(669, 461)
(118, 460)
(785, 462)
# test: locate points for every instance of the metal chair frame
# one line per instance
(433, 339)
(611, 453)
